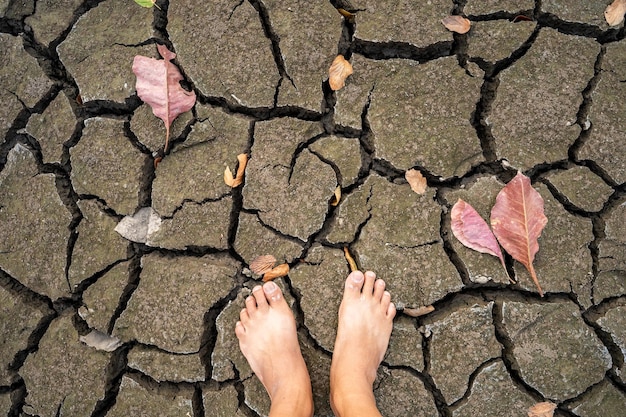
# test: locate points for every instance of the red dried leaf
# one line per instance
(276, 272)
(517, 220)
(262, 264)
(473, 231)
(158, 85)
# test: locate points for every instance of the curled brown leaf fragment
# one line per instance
(416, 180)
(335, 201)
(339, 70)
(237, 180)
(614, 12)
(457, 24)
(346, 14)
(262, 264)
(350, 259)
(277, 272)
(417, 312)
(544, 409)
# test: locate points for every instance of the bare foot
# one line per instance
(268, 339)
(365, 322)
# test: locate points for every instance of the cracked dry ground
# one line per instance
(545, 95)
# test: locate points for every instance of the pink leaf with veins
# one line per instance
(473, 232)
(517, 220)
(158, 85)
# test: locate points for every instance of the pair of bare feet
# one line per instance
(268, 339)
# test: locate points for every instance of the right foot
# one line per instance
(365, 323)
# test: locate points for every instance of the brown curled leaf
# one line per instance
(277, 272)
(262, 264)
(228, 177)
(236, 181)
(417, 312)
(339, 70)
(335, 201)
(614, 12)
(416, 180)
(346, 14)
(457, 24)
(350, 259)
(544, 409)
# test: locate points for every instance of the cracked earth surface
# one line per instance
(537, 86)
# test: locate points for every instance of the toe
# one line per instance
(240, 331)
(273, 293)
(250, 304)
(391, 310)
(379, 289)
(244, 317)
(354, 284)
(259, 296)
(385, 301)
(368, 287)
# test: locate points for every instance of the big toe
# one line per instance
(273, 294)
(354, 285)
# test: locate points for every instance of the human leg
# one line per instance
(269, 341)
(365, 323)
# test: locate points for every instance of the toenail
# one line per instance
(357, 278)
(269, 287)
(257, 288)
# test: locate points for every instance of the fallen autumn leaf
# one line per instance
(277, 272)
(417, 312)
(517, 220)
(544, 409)
(237, 180)
(158, 85)
(614, 12)
(416, 180)
(457, 24)
(472, 231)
(262, 264)
(339, 70)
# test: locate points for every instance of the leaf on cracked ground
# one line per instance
(147, 3)
(472, 231)
(614, 12)
(517, 220)
(336, 197)
(416, 180)
(544, 409)
(457, 24)
(277, 272)
(101, 341)
(418, 312)
(237, 180)
(158, 85)
(339, 70)
(262, 264)
(350, 259)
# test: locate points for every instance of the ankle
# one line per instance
(293, 402)
(353, 403)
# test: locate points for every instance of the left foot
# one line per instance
(269, 341)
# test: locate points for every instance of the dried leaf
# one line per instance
(158, 85)
(241, 169)
(339, 70)
(101, 341)
(277, 272)
(517, 220)
(147, 3)
(614, 12)
(472, 231)
(346, 14)
(350, 259)
(457, 24)
(262, 264)
(228, 177)
(416, 180)
(544, 409)
(417, 312)
(335, 201)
